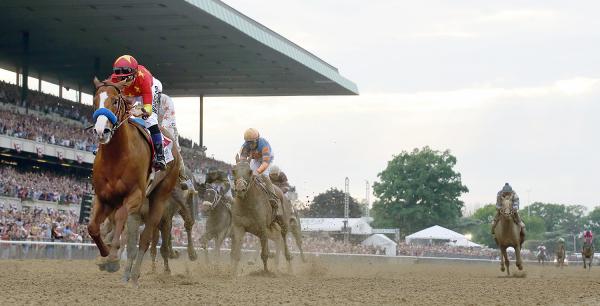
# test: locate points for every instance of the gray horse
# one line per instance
(508, 234)
(252, 213)
(217, 208)
(560, 254)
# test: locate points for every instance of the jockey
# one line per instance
(588, 236)
(218, 177)
(279, 179)
(259, 152)
(166, 119)
(505, 191)
(139, 85)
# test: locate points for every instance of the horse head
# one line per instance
(242, 176)
(506, 208)
(111, 109)
(211, 196)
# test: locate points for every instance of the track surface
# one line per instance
(48, 282)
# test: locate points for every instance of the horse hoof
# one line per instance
(112, 266)
(101, 266)
(520, 267)
(174, 255)
(502, 269)
(192, 256)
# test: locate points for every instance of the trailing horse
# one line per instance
(252, 213)
(587, 254)
(121, 178)
(541, 257)
(217, 208)
(182, 202)
(508, 234)
(560, 255)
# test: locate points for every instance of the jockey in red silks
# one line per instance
(588, 236)
(140, 86)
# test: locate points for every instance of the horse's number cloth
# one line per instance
(168, 149)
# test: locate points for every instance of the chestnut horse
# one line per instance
(508, 234)
(121, 176)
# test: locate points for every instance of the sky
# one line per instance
(511, 88)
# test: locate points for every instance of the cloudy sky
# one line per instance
(512, 88)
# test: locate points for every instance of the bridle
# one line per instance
(217, 198)
(122, 109)
(507, 212)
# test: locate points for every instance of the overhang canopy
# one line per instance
(195, 47)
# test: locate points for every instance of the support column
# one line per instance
(79, 93)
(25, 65)
(17, 72)
(96, 72)
(60, 88)
(39, 82)
(201, 138)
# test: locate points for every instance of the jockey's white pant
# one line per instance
(255, 164)
(152, 120)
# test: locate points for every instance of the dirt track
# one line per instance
(78, 282)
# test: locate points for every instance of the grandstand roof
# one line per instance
(195, 47)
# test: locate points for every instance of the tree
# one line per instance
(418, 189)
(330, 204)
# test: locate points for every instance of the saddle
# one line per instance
(167, 142)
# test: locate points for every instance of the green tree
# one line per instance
(330, 204)
(417, 190)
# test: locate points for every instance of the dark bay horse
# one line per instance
(508, 234)
(182, 202)
(120, 178)
(587, 254)
(252, 213)
(560, 254)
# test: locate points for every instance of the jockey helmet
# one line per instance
(507, 188)
(125, 66)
(251, 135)
(274, 170)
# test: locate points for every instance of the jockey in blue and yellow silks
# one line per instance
(258, 151)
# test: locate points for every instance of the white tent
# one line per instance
(381, 240)
(437, 232)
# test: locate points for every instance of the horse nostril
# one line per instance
(106, 131)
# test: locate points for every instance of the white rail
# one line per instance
(66, 250)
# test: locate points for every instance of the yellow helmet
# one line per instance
(251, 135)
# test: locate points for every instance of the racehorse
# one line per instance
(217, 208)
(541, 256)
(508, 234)
(182, 202)
(121, 176)
(587, 255)
(252, 212)
(560, 255)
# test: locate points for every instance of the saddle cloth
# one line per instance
(167, 142)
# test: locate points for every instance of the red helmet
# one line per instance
(125, 66)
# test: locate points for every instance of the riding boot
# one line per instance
(494, 222)
(273, 198)
(159, 160)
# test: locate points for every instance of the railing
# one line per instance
(71, 251)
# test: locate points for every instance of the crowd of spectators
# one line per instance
(444, 250)
(37, 127)
(39, 224)
(41, 185)
(45, 103)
